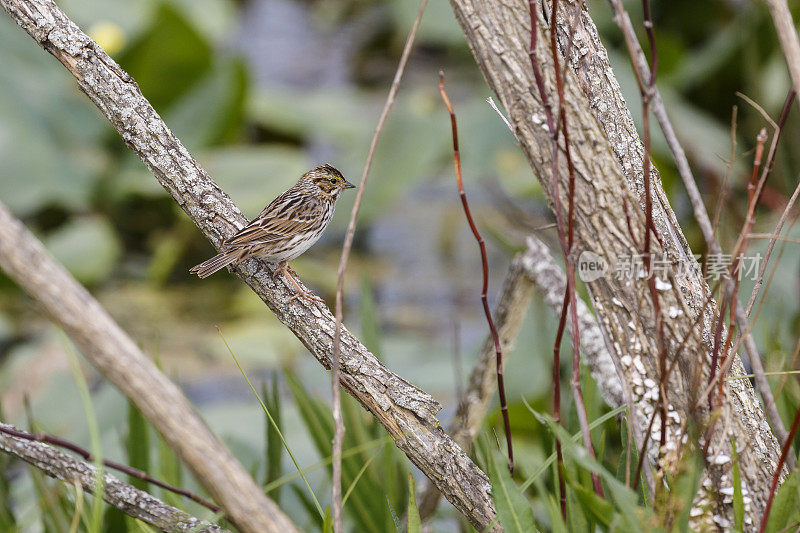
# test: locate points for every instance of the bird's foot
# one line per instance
(307, 295)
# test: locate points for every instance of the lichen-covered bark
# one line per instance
(609, 222)
(407, 413)
(127, 498)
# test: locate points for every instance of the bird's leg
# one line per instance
(284, 268)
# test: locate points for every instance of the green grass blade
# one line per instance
(785, 507)
(348, 452)
(513, 509)
(275, 425)
(137, 444)
(738, 499)
(358, 477)
(318, 420)
(624, 498)
(575, 438)
(414, 522)
(98, 504)
(274, 447)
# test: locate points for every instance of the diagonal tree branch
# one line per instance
(118, 357)
(407, 413)
(125, 497)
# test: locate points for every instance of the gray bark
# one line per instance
(127, 498)
(118, 357)
(407, 413)
(608, 162)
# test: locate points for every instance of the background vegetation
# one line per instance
(262, 90)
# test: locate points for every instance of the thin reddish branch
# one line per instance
(787, 447)
(485, 266)
(787, 105)
(754, 188)
(537, 74)
(88, 457)
(567, 248)
(647, 94)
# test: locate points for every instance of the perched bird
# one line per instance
(287, 227)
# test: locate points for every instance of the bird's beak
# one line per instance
(348, 185)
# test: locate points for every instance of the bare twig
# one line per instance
(338, 436)
(485, 267)
(782, 220)
(125, 497)
(646, 87)
(88, 457)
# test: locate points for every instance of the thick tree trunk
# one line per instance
(609, 222)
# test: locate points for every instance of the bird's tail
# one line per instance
(219, 261)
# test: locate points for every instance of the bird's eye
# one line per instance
(332, 180)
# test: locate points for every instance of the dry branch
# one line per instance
(784, 27)
(118, 357)
(125, 497)
(609, 221)
(88, 457)
(407, 413)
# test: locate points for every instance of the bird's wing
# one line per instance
(286, 215)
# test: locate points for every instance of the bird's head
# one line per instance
(327, 180)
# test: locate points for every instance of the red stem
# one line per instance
(567, 249)
(537, 74)
(787, 446)
(485, 266)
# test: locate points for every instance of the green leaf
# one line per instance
(274, 446)
(414, 522)
(785, 507)
(137, 444)
(87, 246)
(212, 111)
(168, 58)
(513, 509)
(738, 499)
